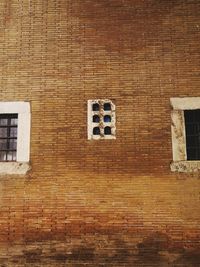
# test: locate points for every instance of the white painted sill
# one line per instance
(185, 166)
(19, 168)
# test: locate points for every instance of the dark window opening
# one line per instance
(192, 128)
(107, 106)
(96, 118)
(8, 137)
(95, 107)
(107, 118)
(107, 130)
(96, 131)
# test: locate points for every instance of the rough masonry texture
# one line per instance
(100, 202)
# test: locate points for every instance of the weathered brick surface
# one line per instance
(106, 202)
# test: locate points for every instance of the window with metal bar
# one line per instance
(192, 127)
(8, 137)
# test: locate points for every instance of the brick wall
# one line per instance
(106, 202)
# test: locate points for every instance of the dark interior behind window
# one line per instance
(192, 127)
(8, 137)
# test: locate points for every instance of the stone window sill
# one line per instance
(18, 168)
(185, 166)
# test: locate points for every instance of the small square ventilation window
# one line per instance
(101, 119)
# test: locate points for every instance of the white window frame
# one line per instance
(102, 124)
(180, 162)
(21, 165)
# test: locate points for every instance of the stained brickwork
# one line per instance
(100, 202)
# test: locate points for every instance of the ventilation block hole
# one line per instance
(107, 130)
(96, 131)
(107, 106)
(107, 118)
(95, 107)
(96, 118)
